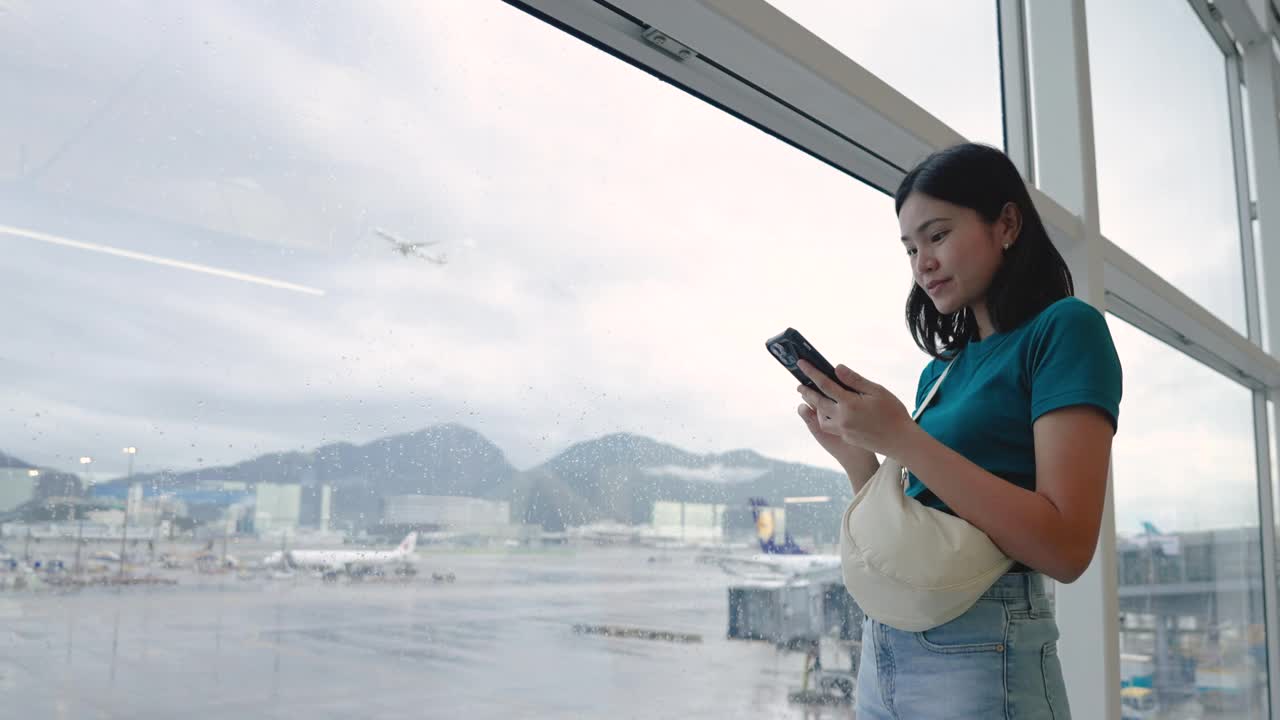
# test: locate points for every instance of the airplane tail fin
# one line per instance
(408, 544)
(1150, 528)
(764, 524)
(766, 531)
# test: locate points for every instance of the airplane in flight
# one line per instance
(786, 562)
(408, 249)
(351, 562)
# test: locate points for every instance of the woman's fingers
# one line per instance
(859, 384)
(826, 385)
(807, 414)
(810, 418)
(817, 401)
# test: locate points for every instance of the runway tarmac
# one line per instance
(499, 642)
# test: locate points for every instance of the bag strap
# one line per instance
(903, 479)
(933, 390)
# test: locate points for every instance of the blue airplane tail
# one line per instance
(1150, 529)
(766, 534)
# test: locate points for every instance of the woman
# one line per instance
(1017, 441)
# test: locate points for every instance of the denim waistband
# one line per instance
(1017, 586)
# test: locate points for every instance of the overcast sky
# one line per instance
(617, 251)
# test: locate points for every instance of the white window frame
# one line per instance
(1251, 28)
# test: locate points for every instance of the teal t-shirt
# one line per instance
(1000, 385)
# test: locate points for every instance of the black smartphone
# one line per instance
(789, 347)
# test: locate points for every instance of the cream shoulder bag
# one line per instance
(907, 565)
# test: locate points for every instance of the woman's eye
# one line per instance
(939, 236)
(911, 251)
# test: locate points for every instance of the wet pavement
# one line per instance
(499, 642)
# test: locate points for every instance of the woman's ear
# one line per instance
(1009, 226)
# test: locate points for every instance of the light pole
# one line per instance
(87, 462)
(128, 496)
(34, 474)
(79, 546)
(26, 543)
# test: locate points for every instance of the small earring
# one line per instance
(1006, 246)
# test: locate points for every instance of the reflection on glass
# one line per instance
(943, 56)
(1166, 179)
(443, 383)
(1192, 631)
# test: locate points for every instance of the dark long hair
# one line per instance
(1033, 274)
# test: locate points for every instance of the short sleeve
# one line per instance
(1072, 360)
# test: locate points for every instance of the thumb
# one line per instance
(853, 379)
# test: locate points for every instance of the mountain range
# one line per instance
(616, 477)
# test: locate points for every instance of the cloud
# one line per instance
(716, 473)
(1166, 179)
(1184, 455)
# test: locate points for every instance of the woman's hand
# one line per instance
(870, 418)
(852, 458)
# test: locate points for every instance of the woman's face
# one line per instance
(954, 254)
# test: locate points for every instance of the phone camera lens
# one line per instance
(783, 353)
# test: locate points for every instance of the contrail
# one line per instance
(194, 267)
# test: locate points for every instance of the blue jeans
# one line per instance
(998, 660)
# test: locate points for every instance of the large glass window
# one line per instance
(289, 281)
(943, 56)
(1192, 637)
(1273, 447)
(1166, 183)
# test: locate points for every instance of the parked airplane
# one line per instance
(351, 562)
(786, 561)
(1151, 537)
